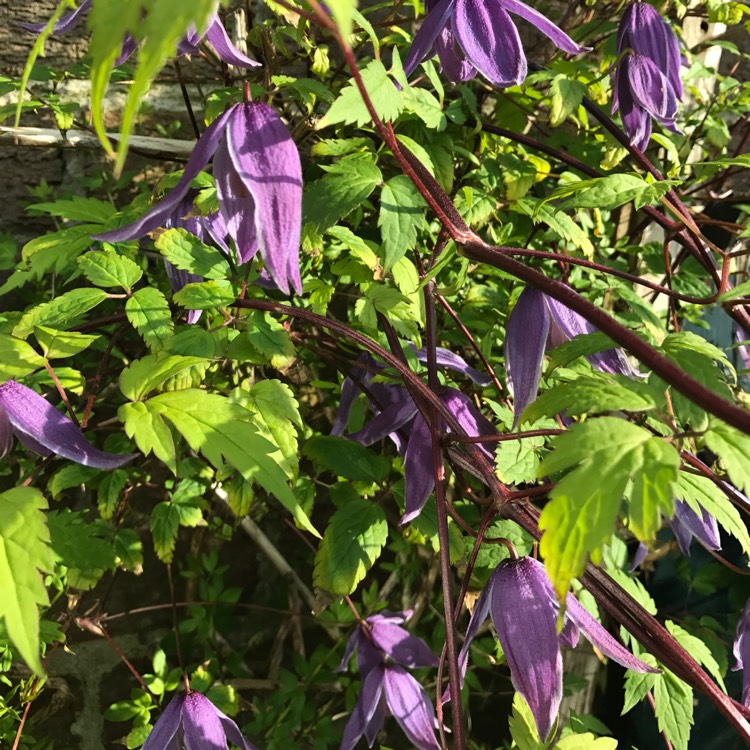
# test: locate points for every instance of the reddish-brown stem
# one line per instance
(61, 391)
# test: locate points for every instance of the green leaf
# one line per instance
(581, 515)
(108, 269)
(566, 96)
(347, 458)
(206, 295)
(24, 552)
(347, 185)
(638, 684)
(268, 339)
(353, 541)
(62, 344)
(343, 13)
(70, 475)
(78, 208)
(523, 727)
(17, 358)
(585, 741)
(144, 375)
(402, 211)
(109, 492)
(558, 221)
(188, 253)
(517, 461)
(61, 312)
(166, 519)
(150, 432)
(148, 312)
(733, 449)
(350, 108)
(698, 650)
(674, 708)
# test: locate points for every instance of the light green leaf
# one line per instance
(24, 552)
(61, 344)
(343, 13)
(206, 295)
(109, 492)
(353, 541)
(638, 684)
(146, 374)
(347, 458)
(68, 476)
(523, 727)
(269, 339)
(150, 432)
(78, 208)
(517, 461)
(674, 708)
(166, 519)
(108, 269)
(17, 358)
(148, 312)
(566, 96)
(586, 741)
(188, 253)
(733, 449)
(402, 211)
(61, 312)
(698, 650)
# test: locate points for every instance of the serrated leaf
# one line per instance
(585, 741)
(638, 685)
(517, 461)
(566, 96)
(270, 340)
(62, 344)
(402, 211)
(733, 449)
(108, 269)
(352, 543)
(77, 208)
(347, 458)
(144, 375)
(150, 432)
(582, 513)
(698, 650)
(24, 552)
(61, 312)
(148, 312)
(69, 476)
(109, 492)
(17, 357)
(188, 253)
(523, 727)
(343, 13)
(206, 295)
(674, 708)
(166, 519)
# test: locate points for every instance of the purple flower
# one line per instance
(478, 36)
(193, 722)
(259, 183)
(215, 33)
(647, 81)
(687, 524)
(45, 430)
(538, 323)
(521, 602)
(741, 651)
(384, 648)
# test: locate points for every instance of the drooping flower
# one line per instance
(192, 721)
(384, 648)
(647, 81)
(479, 36)
(215, 34)
(537, 323)
(521, 602)
(47, 431)
(687, 524)
(741, 651)
(258, 178)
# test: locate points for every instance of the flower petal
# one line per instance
(365, 708)
(160, 213)
(424, 39)
(67, 23)
(686, 524)
(525, 341)
(446, 358)
(411, 707)
(598, 636)
(267, 161)
(166, 727)
(201, 723)
(651, 89)
(524, 615)
(34, 417)
(232, 731)
(400, 645)
(6, 433)
(554, 33)
(388, 421)
(452, 61)
(419, 471)
(636, 122)
(217, 35)
(490, 41)
(471, 421)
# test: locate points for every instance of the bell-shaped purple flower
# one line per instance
(687, 524)
(479, 36)
(537, 323)
(741, 651)
(193, 722)
(45, 430)
(384, 648)
(647, 81)
(258, 179)
(521, 602)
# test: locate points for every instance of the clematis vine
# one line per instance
(192, 721)
(536, 324)
(646, 81)
(384, 648)
(258, 178)
(397, 415)
(521, 602)
(45, 430)
(214, 33)
(479, 36)
(741, 651)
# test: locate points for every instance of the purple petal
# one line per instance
(351, 644)
(165, 729)
(232, 731)
(217, 35)
(639, 556)
(160, 213)
(569, 634)
(177, 280)
(401, 646)
(411, 707)
(599, 637)
(468, 417)
(636, 122)
(129, 45)
(34, 417)
(490, 41)
(424, 39)
(558, 37)
(524, 614)
(202, 727)
(525, 341)
(67, 23)
(376, 721)
(6, 433)
(419, 471)
(267, 161)
(446, 358)
(368, 657)
(686, 524)
(651, 89)
(391, 419)
(452, 61)
(364, 710)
